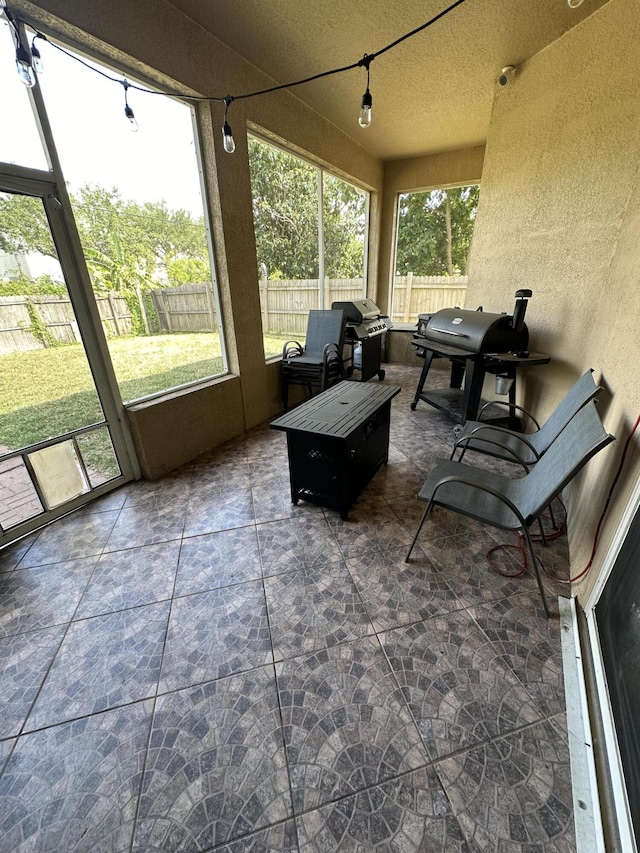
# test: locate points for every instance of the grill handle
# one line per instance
(449, 332)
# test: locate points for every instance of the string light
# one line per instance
(23, 57)
(26, 66)
(227, 135)
(36, 59)
(127, 109)
(364, 119)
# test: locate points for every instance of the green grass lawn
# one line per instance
(47, 392)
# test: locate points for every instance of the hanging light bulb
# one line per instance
(36, 59)
(127, 109)
(227, 134)
(130, 115)
(24, 66)
(364, 119)
(227, 138)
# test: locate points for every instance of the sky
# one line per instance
(93, 137)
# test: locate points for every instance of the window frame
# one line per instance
(321, 169)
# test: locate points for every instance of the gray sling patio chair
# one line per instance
(525, 448)
(514, 504)
(319, 362)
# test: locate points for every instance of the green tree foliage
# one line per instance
(188, 271)
(344, 221)
(126, 245)
(435, 231)
(23, 226)
(24, 286)
(285, 212)
(285, 194)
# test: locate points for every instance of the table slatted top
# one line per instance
(338, 411)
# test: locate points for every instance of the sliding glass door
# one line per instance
(61, 442)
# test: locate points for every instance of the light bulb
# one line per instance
(573, 4)
(25, 69)
(364, 119)
(129, 114)
(36, 59)
(227, 138)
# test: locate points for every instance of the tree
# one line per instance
(145, 238)
(23, 226)
(435, 230)
(286, 212)
(125, 244)
(344, 223)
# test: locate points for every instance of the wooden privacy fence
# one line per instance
(187, 308)
(417, 294)
(285, 305)
(34, 322)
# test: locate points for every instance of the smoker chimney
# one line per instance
(520, 309)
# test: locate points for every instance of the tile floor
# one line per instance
(195, 664)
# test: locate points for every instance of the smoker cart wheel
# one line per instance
(457, 431)
(381, 375)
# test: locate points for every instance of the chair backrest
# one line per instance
(324, 327)
(581, 392)
(581, 439)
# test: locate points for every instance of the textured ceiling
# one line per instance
(431, 93)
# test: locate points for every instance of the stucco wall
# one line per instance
(185, 420)
(560, 213)
(151, 37)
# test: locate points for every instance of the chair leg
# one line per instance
(542, 534)
(527, 536)
(422, 520)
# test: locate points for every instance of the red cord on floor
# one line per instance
(558, 531)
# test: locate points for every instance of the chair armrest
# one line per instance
(331, 352)
(466, 439)
(332, 355)
(291, 349)
(453, 478)
(510, 406)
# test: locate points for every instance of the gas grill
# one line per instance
(365, 326)
(476, 343)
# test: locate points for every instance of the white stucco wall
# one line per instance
(560, 213)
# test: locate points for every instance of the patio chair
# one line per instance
(319, 362)
(515, 503)
(526, 449)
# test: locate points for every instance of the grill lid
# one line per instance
(358, 310)
(476, 331)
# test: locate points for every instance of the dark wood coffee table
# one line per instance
(337, 441)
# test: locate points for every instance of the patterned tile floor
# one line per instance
(195, 664)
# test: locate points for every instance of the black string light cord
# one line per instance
(227, 100)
